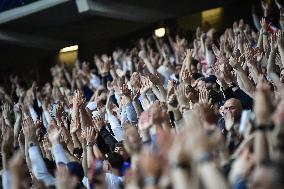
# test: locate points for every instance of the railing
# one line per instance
(10, 4)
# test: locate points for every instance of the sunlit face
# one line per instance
(233, 107)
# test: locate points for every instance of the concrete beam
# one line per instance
(26, 40)
(28, 9)
(115, 9)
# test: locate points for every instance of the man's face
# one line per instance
(233, 107)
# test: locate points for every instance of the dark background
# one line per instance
(36, 38)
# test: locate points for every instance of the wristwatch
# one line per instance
(31, 144)
(89, 144)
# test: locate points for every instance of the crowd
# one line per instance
(168, 113)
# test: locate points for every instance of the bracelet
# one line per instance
(150, 181)
(89, 144)
(261, 127)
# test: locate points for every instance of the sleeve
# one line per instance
(108, 138)
(6, 179)
(47, 116)
(36, 107)
(123, 115)
(86, 183)
(150, 95)
(131, 113)
(240, 184)
(256, 21)
(59, 154)
(39, 168)
(105, 79)
(116, 128)
(33, 113)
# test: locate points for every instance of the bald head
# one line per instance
(233, 106)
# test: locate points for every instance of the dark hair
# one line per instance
(115, 160)
(196, 75)
(119, 144)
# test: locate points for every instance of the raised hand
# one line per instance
(75, 125)
(155, 79)
(54, 133)
(158, 114)
(135, 81)
(229, 121)
(216, 51)
(125, 91)
(149, 165)
(19, 169)
(132, 140)
(46, 144)
(65, 134)
(89, 134)
(59, 110)
(146, 85)
(233, 61)
(78, 99)
(264, 5)
(273, 42)
(204, 96)
(29, 129)
(186, 76)
(264, 24)
(263, 107)
(180, 92)
(64, 180)
(192, 94)
(144, 121)
(280, 39)
(7, 141)
(172, 102)
(6, 112)
(99, 122)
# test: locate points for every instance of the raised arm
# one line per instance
(37, 163)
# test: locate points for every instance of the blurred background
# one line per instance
(34, 33)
